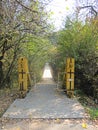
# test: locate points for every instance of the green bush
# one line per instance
(80, 41)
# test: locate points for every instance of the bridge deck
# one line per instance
(45, 101)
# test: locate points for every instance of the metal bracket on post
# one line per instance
(70, 76)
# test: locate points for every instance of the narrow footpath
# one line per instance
(45, 101)
(46, 108)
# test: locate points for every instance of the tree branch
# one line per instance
(92, 8)
(34, 11)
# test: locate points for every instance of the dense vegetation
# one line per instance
(25, 32)
(79, 39)
(80, 42)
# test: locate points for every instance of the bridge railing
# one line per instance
(68, 77)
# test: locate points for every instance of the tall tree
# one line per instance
(19, 19)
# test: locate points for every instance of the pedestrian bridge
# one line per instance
(25, 80)
(44, 99)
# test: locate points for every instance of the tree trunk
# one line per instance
(1, 57)
(1, 72)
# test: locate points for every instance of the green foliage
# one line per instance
(38, 51)
(88, 103)
(21, 25)
(80, 41)
(93, 113)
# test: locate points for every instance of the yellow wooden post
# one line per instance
(24, 77)
(70, 76)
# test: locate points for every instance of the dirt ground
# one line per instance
(48, 124)
(7, 96)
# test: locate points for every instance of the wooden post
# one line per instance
(24, 77)
(70, 76)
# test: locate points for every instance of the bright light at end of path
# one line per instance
(47, 72)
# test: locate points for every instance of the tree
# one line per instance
(38, 51)
(80, 41)
(18, 20)
(87, 9)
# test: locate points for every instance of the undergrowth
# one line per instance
(90, 106)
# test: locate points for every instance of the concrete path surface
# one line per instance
(45, 101)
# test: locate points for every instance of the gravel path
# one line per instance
(45, 101)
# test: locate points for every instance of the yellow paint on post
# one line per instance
(22, 63)
(24, 77)
(70, 76)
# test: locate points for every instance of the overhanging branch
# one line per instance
(92, 8)
(34, 11)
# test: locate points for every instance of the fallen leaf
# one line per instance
(84, 125)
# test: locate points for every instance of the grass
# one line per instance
(90, 106)
(93, 113)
